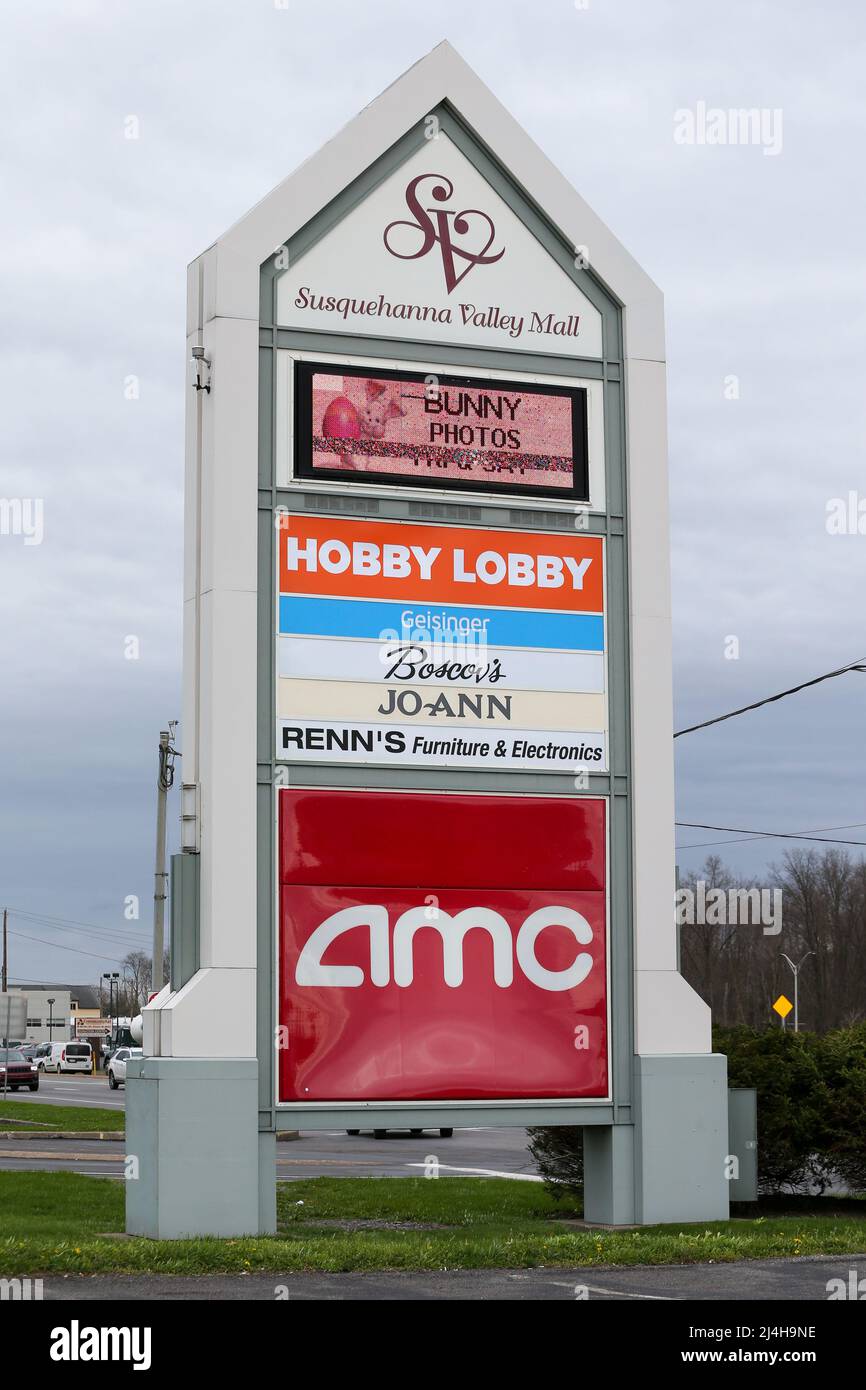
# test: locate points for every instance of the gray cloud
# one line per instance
(760, 259)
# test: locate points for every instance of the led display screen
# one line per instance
(429, 430)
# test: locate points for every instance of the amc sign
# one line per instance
(439, 946)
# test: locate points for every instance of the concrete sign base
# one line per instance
(196, 1164)
(670, 1164)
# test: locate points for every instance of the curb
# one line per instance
(107, 1136)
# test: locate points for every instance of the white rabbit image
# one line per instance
(377, 410)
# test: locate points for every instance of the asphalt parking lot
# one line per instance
(71, 1089)
(470, 1153)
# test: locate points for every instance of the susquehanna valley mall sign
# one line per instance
(470, 315)
(435, 254)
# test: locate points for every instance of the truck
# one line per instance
(125, 1032)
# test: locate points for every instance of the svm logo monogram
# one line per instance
(440, 225)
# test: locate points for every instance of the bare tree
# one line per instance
(740, 970)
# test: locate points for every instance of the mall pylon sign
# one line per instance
(442, 947)
(428, 797)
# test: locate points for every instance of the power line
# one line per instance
(134, 940)
(708, 844)
(51, 919)
(48, 984)
(112, 938)
(762, 834)
(858, 665)
(57, 947)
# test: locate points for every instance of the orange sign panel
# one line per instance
(440, 564)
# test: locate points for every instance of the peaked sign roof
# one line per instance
(228, 281)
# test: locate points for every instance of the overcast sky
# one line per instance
(760, 256)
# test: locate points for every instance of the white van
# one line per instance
(68, 1056)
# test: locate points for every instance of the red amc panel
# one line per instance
(437, 946)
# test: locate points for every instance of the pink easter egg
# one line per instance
(341, 420)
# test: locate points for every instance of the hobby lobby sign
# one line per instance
(369, 559)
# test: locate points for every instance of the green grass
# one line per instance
(461, 1202)
(57, 1117)
(58, 1222)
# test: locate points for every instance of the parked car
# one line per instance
(43, 1050)
(29, 1050)
(17, 1071)
(117, 1065)
(415, 1133)
(67, 1057)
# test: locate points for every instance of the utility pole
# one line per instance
(5, 984)
(6, 1034)
(796, 971)
(164, 780)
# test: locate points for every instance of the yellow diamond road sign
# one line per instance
(783, 1006)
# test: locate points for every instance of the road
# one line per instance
(751, 1281)
(71, 1090)
(471, 1152)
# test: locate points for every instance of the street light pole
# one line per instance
(796, 971)
(111, 976)
(51, 1020)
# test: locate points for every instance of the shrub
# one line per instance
(784, 1068)
(843, 1136)
(558, 1154)
(811, 1111)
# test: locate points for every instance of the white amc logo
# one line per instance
(452, 930)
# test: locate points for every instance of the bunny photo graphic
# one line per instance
(345, 422)
(380, 406)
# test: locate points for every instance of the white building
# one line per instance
(46, 1022)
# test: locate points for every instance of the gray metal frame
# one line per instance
(474, 512)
